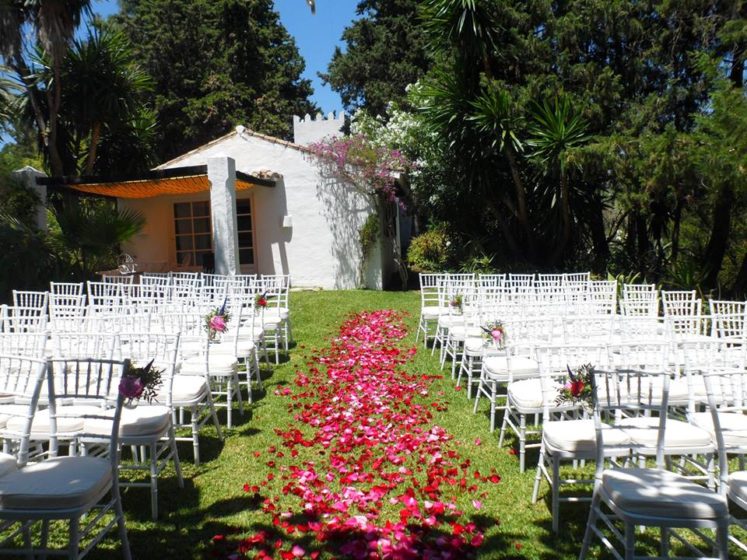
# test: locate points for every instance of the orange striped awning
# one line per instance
(182, 180)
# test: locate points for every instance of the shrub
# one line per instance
(430, 251)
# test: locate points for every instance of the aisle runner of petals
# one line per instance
(386, 481)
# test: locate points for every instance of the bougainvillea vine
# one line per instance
(385, 480)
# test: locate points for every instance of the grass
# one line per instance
(213, 501)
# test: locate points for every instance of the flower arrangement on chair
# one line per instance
(495, 332)
(261, 300)
(140, 383)
(217, 321)
(457, 302)
(578, 388)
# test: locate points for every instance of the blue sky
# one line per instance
(316, 37)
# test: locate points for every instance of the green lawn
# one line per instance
(213, 501)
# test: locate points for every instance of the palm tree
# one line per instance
(54, 22)
(555, 130)
(104, 87)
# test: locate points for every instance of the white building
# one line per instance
(258, 204)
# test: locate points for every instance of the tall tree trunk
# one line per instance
(521, 200)
(677, 219)
(642, 242)
(740, 286)
(53, 100)
(719, 238)
(92, 149)
(599, 237)
(565, 209)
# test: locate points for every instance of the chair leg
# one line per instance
(44, 534)
(477, 396)
(237, 387)
(555, 494)
(256, 370)
(493, 397)
(154, 481)
(175, 457)
(722, 539)
(73, 544)
(26, 530)
(590, 524)
(229, 403)
(538, 475)
(629, 541)
(214, 414)
(504, 425)
(195, 435)
(522, 441)
(664, 543)
(121, 525)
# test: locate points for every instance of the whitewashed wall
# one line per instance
(321, 249)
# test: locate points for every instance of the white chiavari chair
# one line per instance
(601, 298)
(431, 307)
(567, 435)
(31, 300)
(640, 300)
(641, 496)
(149, 427)
(66, 312)
(519, 280)
(67, 288)
(576, 277)
(221, 370)
(729, 326)
(191, 396)
(118, 278)
(525, 397)
(548, 280)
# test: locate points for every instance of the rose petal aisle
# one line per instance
(370, 475)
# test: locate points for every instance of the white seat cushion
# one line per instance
(738, 487)
(70, 421)
(59, 483)
(661, 493)
(8, 411)
(521, 367)
(527, 394)
(448, 321)
(733, 427)
(143, 420)
(433, 312)
(7, 464)
(220, 363)
(191, 347)
(460, 332)
(277, 314)
(678, 435)
(187, 389)
(244, 347)
(579, 436)
(474, 345)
